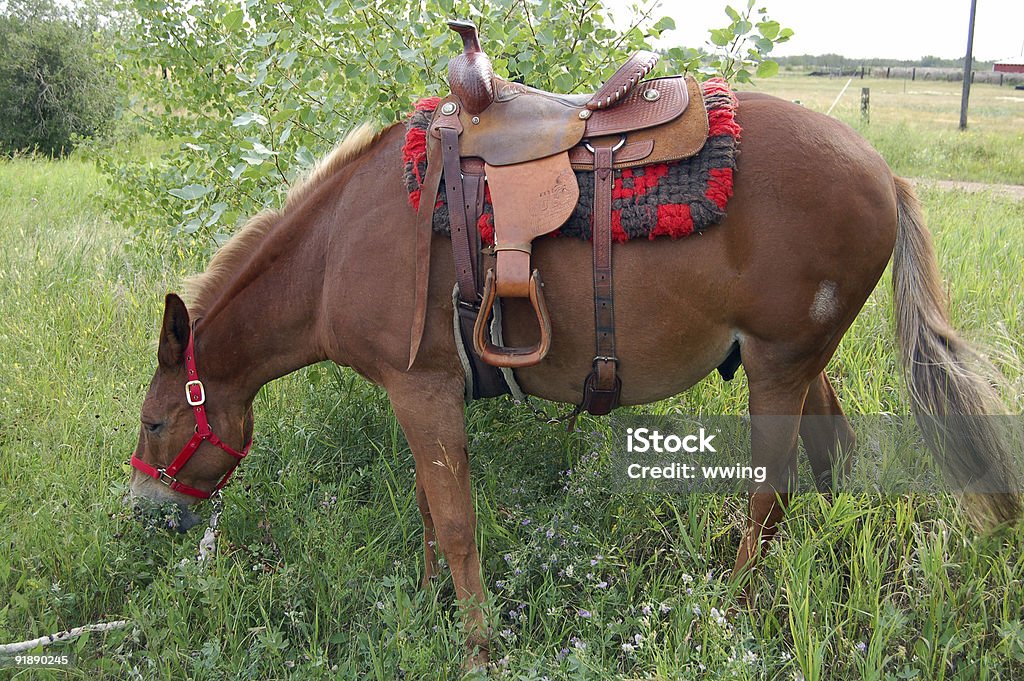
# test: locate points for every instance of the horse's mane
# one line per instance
(201, 290)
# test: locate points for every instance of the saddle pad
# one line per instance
(664, 199)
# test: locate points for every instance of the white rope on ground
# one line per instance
(21, 646)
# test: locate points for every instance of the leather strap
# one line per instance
(457, 209)
(467, 192)
(602, 387)
(473, 183)
(424, 235)
(623, 80)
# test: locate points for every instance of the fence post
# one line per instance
(968, 71)
(865, 104)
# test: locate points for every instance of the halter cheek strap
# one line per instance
(195, 396)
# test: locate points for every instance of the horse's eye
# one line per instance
(152, 426)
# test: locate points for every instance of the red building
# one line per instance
(1012, 65)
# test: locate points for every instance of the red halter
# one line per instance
(195, 395)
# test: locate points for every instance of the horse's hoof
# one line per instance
(474, 665)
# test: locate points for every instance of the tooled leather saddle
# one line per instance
(525, 144)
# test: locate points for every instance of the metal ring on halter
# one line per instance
(622, 141)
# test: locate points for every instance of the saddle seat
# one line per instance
(470, 75)
(505, 123)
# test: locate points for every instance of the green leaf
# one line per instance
(665, 24)
(733, 14)
(767, 68)
(287, 59)
(721, 36)
(262, 149)
(233, 20)
(216, 210)
(304, 158)
(190, 192)
(563, 82)
(249, 118)
(265, 39)
(769, 29)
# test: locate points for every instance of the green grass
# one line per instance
(319, 559)
(915, 124)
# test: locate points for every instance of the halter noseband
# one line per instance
(195, 395)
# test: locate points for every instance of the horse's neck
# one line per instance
(266, 324)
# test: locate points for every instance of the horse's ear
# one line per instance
(174, 333)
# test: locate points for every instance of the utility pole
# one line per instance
(968, 62)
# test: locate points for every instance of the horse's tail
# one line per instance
(952, 395)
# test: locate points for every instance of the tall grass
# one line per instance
(319, 560)
(914, 124)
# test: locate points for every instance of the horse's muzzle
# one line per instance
(158, 511)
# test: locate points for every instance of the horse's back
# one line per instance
(808, 233)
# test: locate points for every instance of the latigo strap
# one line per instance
(602, 387)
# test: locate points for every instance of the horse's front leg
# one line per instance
(429, 535)
(429, 407)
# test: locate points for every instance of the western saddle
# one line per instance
(525, 144)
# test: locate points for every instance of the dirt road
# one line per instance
(1014, 191)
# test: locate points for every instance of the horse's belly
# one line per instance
(671, 323)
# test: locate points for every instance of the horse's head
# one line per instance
(179, 458)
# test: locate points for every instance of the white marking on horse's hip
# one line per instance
(825, 306)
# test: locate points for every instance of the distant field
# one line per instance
(914, 124)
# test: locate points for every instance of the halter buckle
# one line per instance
(197, 401)
(165, 478)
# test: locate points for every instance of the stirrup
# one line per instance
(512, 358)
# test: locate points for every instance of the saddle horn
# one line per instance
(470, 74)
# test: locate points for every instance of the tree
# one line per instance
(54, 87)
(255, 91)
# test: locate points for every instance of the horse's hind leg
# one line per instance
(775, 407)
(827, 435)
(780, 374)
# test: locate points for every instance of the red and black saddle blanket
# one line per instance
(663, 199)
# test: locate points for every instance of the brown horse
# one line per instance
(815, 217)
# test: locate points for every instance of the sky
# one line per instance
(894, 29)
